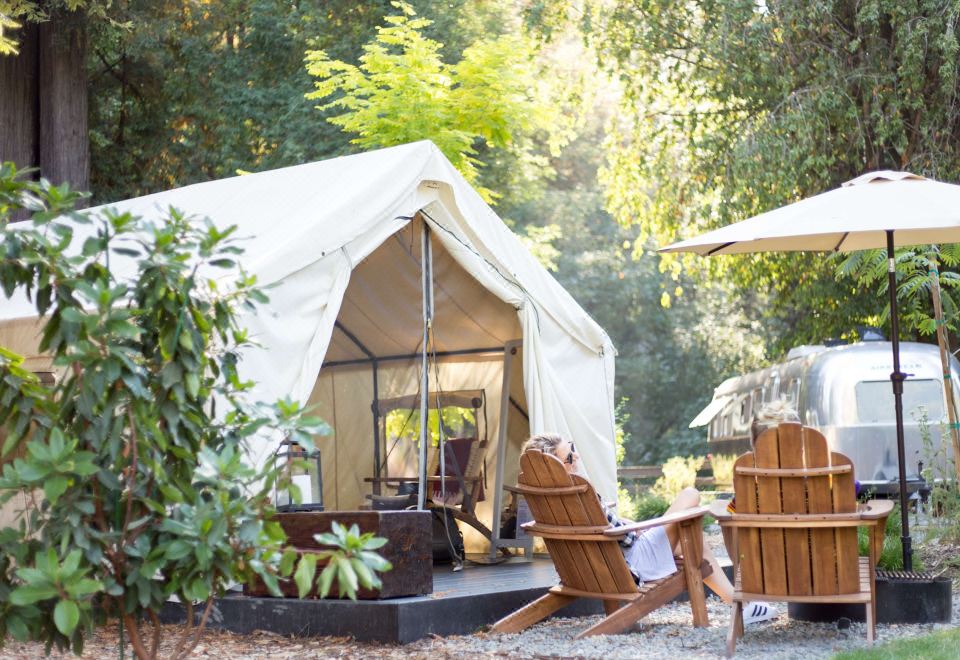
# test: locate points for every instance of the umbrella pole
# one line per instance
(897, 378)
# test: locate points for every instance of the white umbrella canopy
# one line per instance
(875, 210)
(855, 216)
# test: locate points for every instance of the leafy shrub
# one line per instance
(626, 504)
(891, 555)
(939, 473)
(722, 467)
(678, 473)
(142, 491)
(650, 506)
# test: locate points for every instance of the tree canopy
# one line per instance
(734, 107)
(602, 129)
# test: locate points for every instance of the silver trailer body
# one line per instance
(845, 392)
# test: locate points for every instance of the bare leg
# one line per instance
(687, 499)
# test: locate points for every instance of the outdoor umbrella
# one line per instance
(878, 209)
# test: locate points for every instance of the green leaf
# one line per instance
(365, 576)
(54, 487)
(84, 587)
(326, 579)
(287, 561)
(304, 574)
(374, 543)
(29, 594)
(177, 550)
(346, 578)
(17, 628)
(66, 615)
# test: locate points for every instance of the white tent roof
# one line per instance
(310, 226)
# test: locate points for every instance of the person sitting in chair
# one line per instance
(649, 553)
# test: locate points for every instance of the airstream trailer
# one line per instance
(845, 392)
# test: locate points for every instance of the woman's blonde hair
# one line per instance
(545, 442)
(772, 414)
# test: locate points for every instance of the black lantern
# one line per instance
(304, 470)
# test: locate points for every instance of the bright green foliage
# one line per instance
(141, 490)
(678, 473)
(403, 91)
(722, 467)
(914, 267)
(352, 562)
(891, 555)
(941, 645)
(735, 107)
(405, 424)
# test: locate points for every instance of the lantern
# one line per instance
(305, 472)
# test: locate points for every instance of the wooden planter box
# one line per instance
(408, 548)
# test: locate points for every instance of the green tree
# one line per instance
(187, 93)
(734, 107)
(403, 91)
(915, 267)
(140, 491)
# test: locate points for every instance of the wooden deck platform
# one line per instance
(461, 603)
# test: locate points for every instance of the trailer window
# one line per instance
(793, 391)
(745, 411)
(875, 400)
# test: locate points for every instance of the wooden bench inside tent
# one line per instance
(585, 550)
(795, 528)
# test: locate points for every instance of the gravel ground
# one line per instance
(666, 633)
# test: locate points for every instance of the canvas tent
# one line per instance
(340, 243)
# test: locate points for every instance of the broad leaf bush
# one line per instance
(678, 473)
(134, 460)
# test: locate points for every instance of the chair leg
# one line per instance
(635, 610)
(530, 614)
(623, 618)
(871, 623)
(693, 573)
(736, 628)
(611, 606)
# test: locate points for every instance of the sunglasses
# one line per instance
(570, 457)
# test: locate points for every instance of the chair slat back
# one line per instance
(797, 562)
(588, 565)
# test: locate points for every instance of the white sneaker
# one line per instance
(758, 611)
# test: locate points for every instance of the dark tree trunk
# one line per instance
(19, 107)
(43, 101)
(64, 144)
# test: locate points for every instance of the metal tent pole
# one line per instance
(426, 271)
(897, 378)
(510, 350)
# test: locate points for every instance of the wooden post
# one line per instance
(944, 357)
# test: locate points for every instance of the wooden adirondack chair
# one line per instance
(795, 528)
(568, 515)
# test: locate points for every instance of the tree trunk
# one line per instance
(43, 101)
(64, 144)
(19, 109)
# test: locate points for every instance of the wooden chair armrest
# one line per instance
(876, 509)
(668, 519)
(718, 509)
